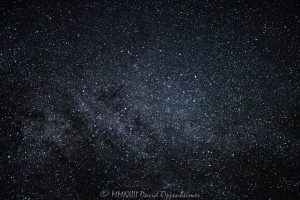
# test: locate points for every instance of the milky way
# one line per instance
(193, 96)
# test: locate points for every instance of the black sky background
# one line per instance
(195, 96)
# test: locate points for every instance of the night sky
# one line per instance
(194, 96)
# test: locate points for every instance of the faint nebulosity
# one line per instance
(194, 96)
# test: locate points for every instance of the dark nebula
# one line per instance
(194, 96)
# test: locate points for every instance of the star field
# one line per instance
(194, 96)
